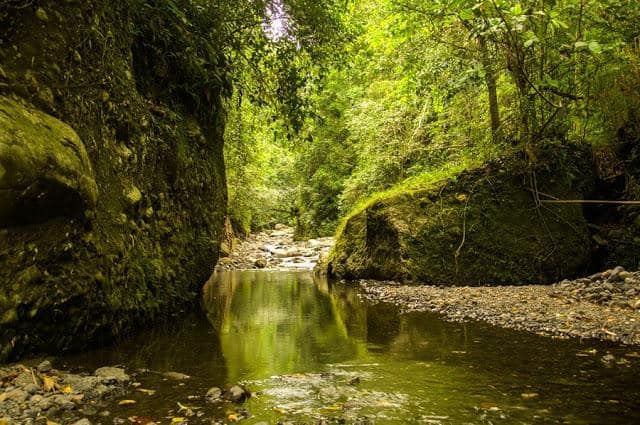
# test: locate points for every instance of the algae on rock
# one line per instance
(44, 167)
(482, 226)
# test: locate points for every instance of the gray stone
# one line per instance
(44, 367)
(112, 374)
(31, 388)
(236, 394)
(176, 376)
(214, 394)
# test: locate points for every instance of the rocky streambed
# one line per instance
(604, 306)
(275, 250)
(30, 395)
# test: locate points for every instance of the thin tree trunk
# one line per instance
(492, 87)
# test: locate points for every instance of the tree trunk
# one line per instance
(492, 88)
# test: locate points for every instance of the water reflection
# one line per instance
(302, 344)
(279, 323)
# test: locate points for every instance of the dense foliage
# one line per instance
(428, 88)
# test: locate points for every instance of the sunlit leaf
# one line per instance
(48, 383)
(126, 402)
(594, 47)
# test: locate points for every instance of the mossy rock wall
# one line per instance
(480, 227)
(148, 176)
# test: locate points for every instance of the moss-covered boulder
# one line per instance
(44, 167)
(112, 181)
(482, 226)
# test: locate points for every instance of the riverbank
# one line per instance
(604, 306)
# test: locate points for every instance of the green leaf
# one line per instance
(516, 10)
(530, 41)
(580, 45)
(595, 48)
(466, 14)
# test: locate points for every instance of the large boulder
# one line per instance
(44, 167)
(483, 226)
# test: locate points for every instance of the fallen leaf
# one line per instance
(145, 391)
(487, 405)
(633, 354)
(126, 402)
(52, 423)
(67, 389)
(177, 420)
(234, 417)
(529, 396)
(333, 408)
(48, 383)
(141, 420)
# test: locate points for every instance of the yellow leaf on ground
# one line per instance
(141, 420)
(147, 392)
(529, 396)
(126, 402)
(67, 389)
(234, 417)
(333, 408)
(48, 383)
(52, 423)
(177, 420)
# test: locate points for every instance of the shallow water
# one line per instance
(312, 351)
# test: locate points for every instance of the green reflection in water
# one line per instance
(300, 344)
(279, 323)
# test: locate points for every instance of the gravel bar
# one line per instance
(604, 306)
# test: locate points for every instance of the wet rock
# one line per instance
(175, 376)
(214, 394)
(44, 366)
(236, 394)
(614, 276)
(354, 381)
(608, 359)
(112, 374)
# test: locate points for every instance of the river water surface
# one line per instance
(314, 352)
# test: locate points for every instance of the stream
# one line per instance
(314, 352)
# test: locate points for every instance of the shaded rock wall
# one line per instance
(480, 227)
(112, 195)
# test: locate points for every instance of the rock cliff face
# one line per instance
(112, 186)
(480, 227)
